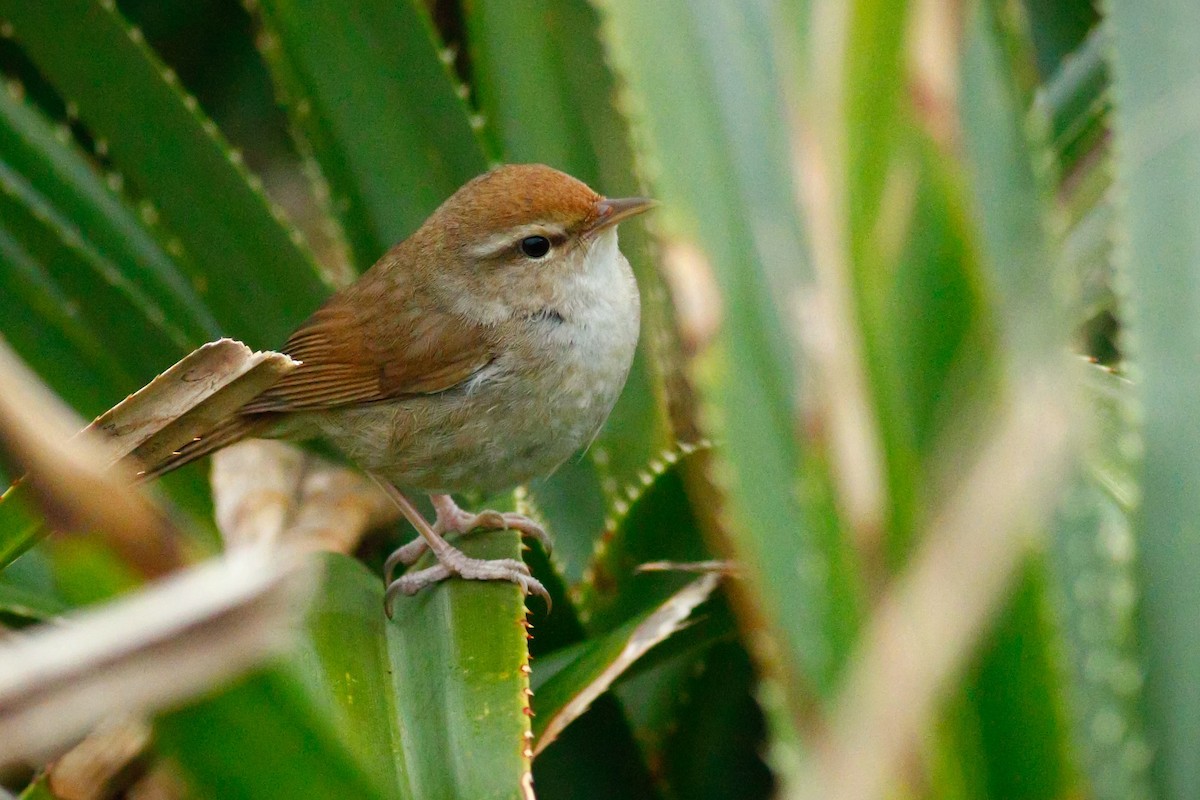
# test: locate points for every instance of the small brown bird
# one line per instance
(480, 352)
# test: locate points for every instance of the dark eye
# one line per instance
(535, 246)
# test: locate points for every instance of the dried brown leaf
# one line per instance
(179, 637)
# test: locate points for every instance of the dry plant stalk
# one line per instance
(182, 634)
(271, 492)
(930, 618)
(103, 763)
(70, 477)
(145, 651)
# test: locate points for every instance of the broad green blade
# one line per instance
(264, 737)
(1007, 146)
(1019, 700)
(1156, 147)
(549, 98)
(59, 171)
(376, 106)
(687, 66)
(258, 282)
(40, 323)
(432, 703)
(130, 325)
(915, 319)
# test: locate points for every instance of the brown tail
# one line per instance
(230, 431)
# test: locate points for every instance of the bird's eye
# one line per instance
(535, 246)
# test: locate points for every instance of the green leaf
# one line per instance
(20, 606)
(433, 702)
(1016, 689)
(581, 673)
(20, 525)
(1076, 98)
(1092, 570)
(376, 106)
(713, 750)
(258, 282)
(1156, 147)
(686, 66)
(38, 790)
(548, 98)
(595, 757)
(28, 592)
(657, 523)
(1058, 29)
(261, 738)
(40, 323)
(130, 325)
(1007, 149)
(430, 704)
(58, 171)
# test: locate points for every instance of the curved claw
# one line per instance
(532, 585)
(406, 555)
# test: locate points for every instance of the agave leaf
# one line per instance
(726, 200)
(377, 107)
(263, 737)
(588, 669)
(58, 170)
(654, 522)
(1156, 147)
(434, 702)
(1093, 566)
(258, 282)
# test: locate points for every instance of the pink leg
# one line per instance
(451, 560)
(452, 519)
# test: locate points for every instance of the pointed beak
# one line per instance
(610, 211)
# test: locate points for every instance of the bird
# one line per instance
(480, 352)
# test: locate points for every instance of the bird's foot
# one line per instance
(452, 519)
(451, 560)
(454, 562)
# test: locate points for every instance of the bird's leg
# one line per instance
(451, 560)
(452, 519)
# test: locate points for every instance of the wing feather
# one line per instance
(351, 353)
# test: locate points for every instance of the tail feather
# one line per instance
(230, 431)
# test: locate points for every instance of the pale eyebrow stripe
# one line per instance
(499, 242)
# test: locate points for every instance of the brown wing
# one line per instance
(357, 349)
